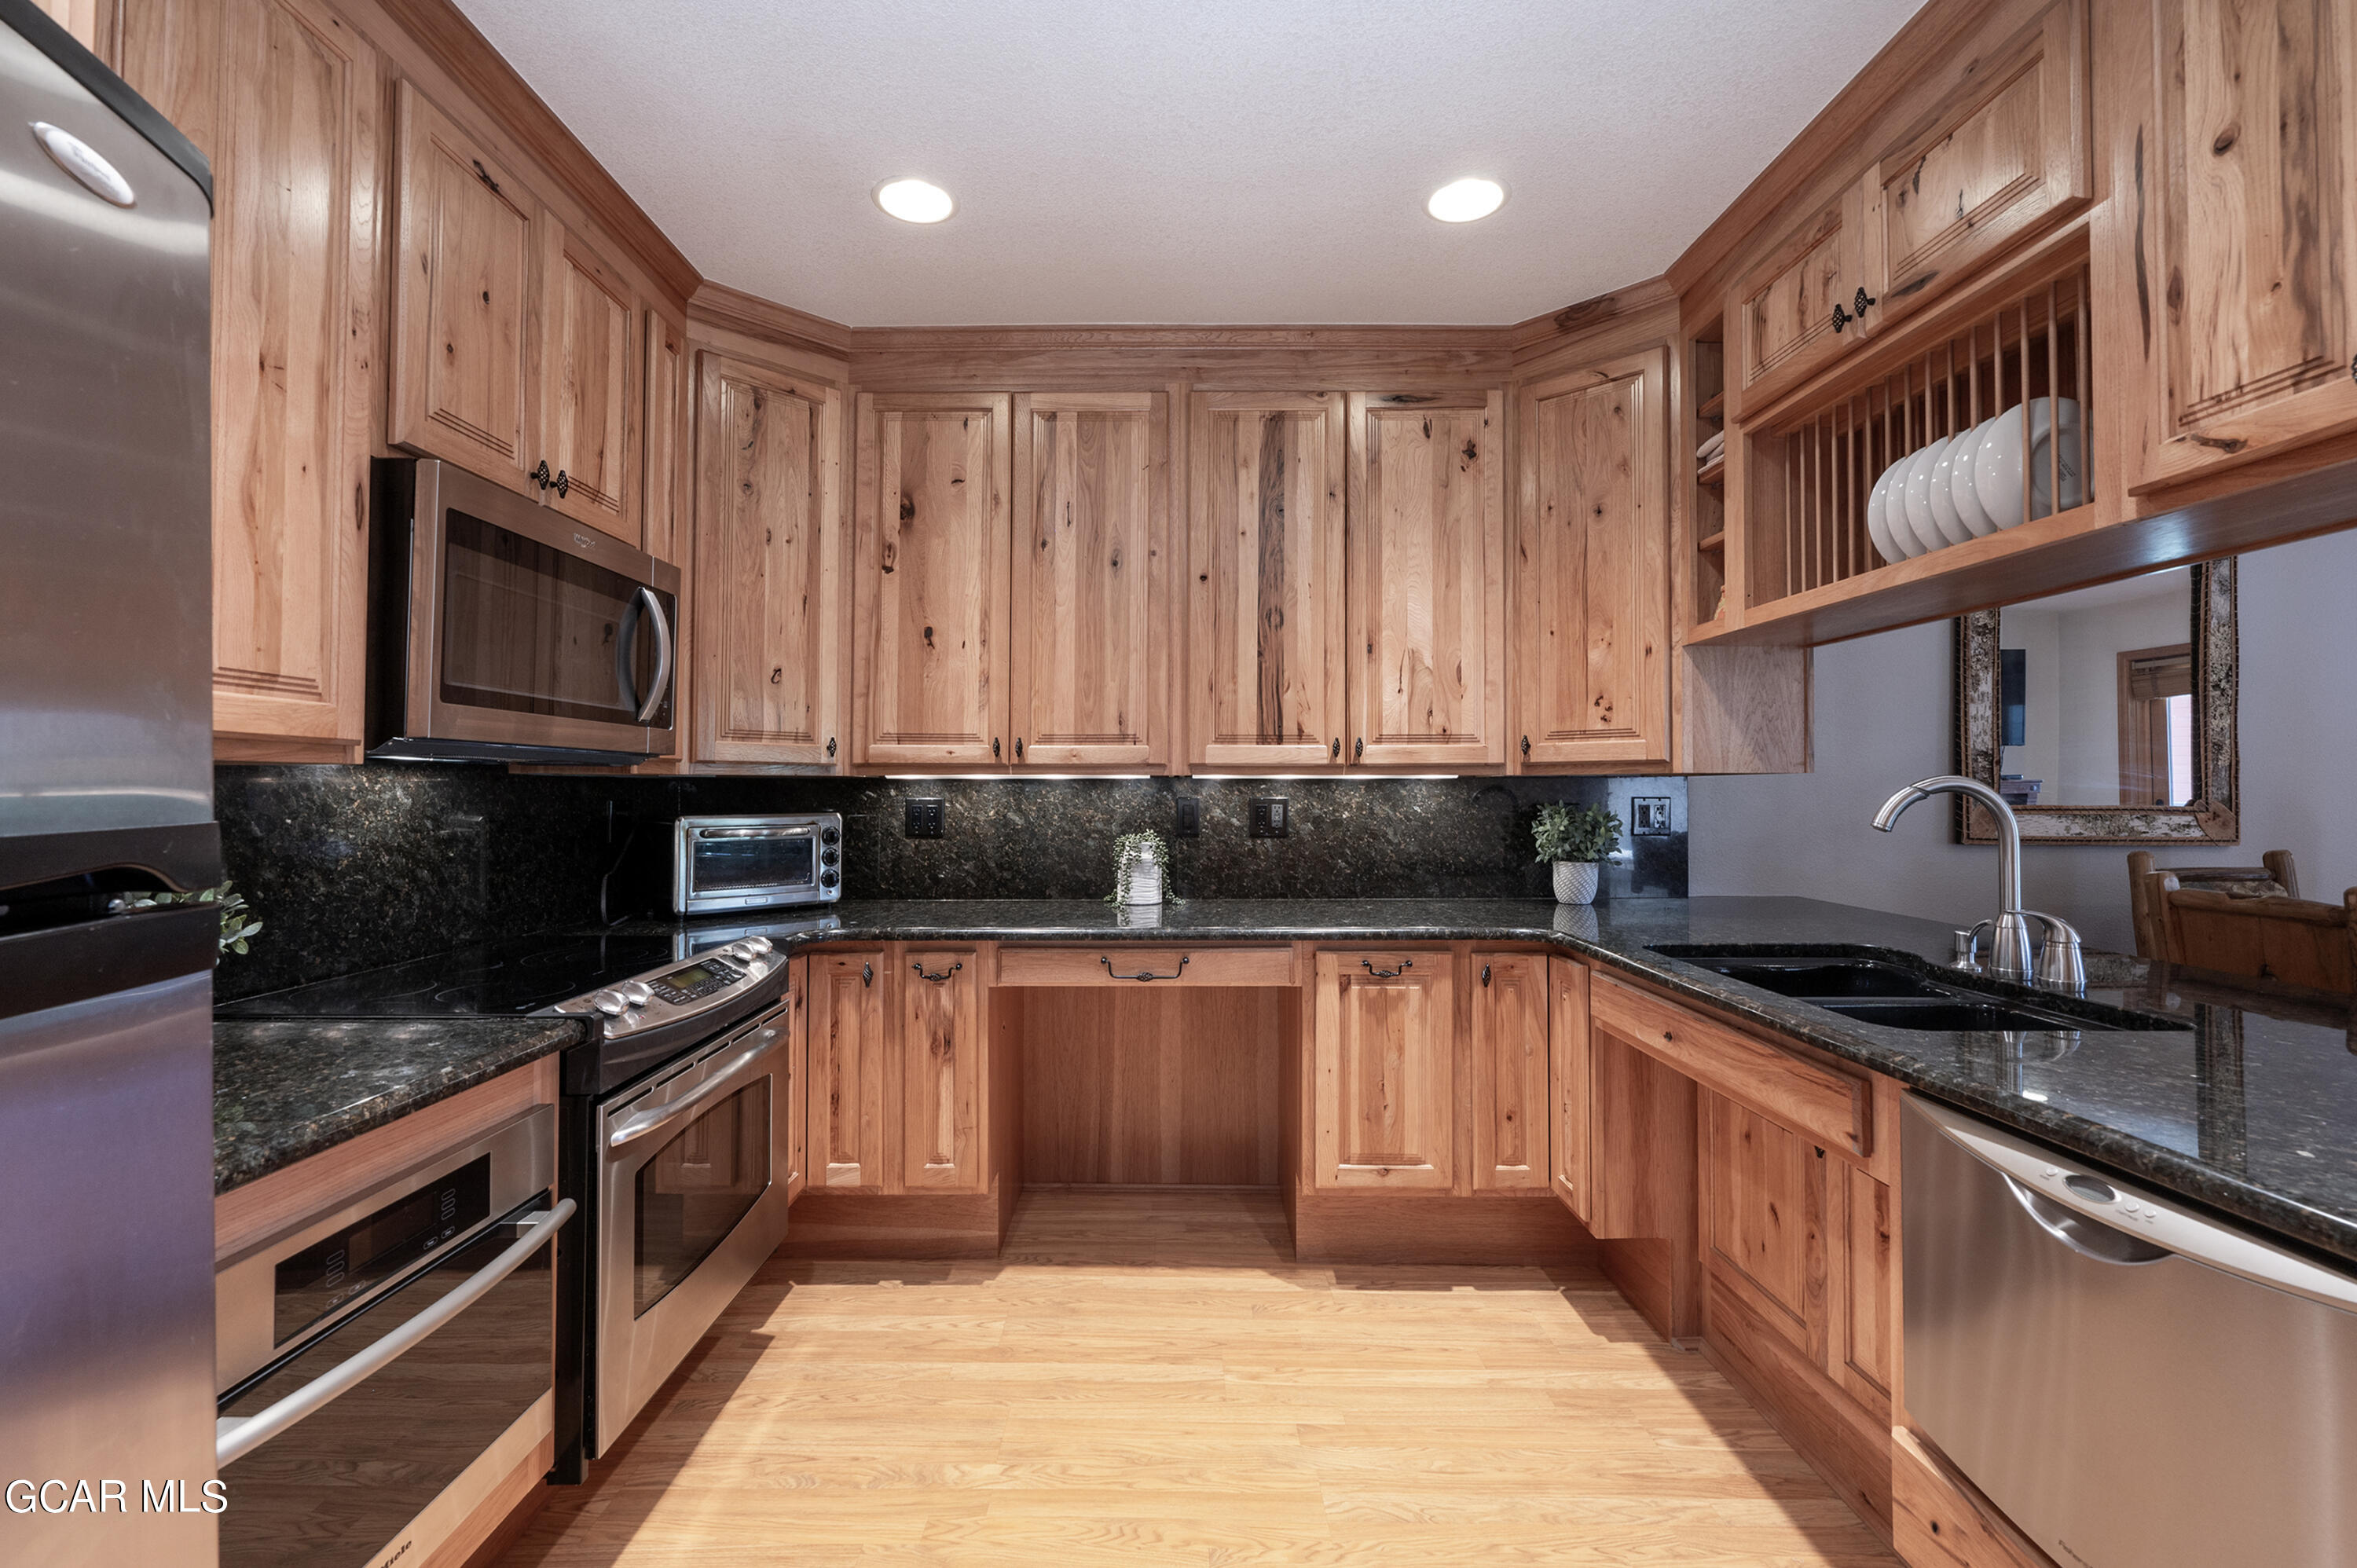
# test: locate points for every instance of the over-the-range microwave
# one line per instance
(500, 630)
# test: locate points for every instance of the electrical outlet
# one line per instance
(1269, 815)
(1190, 824)
(1649, 814)
(924, 819)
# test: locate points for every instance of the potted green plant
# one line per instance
(1141, 863)
(1574, 839)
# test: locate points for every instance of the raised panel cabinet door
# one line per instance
(1591, 637)
(846, 1122)
(1385, 1067)
(1864, 1347)
(1426, 589)
(944, 1069)
(589, 387)
(462, 300)
(1763, 1202)
(2005, 158)
(1264, 499)
(798, 1083)
(1571, 1084)
(1092, 635)
(2248, 332)
(293, 331)
(1779, 314)
(1511, 1004)
(663, 479)
(768, 603)
(930, 564)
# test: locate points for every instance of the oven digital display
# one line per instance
(333, 1270)
(693, 976)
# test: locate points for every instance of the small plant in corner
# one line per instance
(1141, 866)
(1574, 838)
(237, 926)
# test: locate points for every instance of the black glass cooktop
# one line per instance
(513, 975)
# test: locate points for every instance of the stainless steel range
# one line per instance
(673, 1138)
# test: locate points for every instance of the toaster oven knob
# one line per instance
(612, 1003)
(828, 856)
(830, 835)
(827, 878)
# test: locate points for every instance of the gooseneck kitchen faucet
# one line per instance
(2059, 961)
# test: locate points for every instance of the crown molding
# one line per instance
(733, 309)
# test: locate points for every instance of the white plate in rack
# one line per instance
(1998, 464)
(1945, 516)
(1918, 497)
(1962, 489)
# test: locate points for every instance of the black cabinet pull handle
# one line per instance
(1143, 973)
(937, 979)
(1405, 964)
(485, 176)
(539, 476)
(867, 974)
(1485, 975)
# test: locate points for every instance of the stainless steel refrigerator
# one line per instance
(106, 1304)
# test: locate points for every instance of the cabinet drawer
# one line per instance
(1123, 963)
(1797, 1094)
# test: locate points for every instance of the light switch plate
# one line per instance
(1649, 814)
(1190, 817)
(1269, 816)
(924, 819)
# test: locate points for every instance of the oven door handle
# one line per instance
(670, 1110)
(658, 688)
(234, 1439)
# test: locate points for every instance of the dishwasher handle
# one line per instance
(2091, 1238)
(2161, 1223)
(234, 1439)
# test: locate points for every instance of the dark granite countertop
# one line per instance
(2251, 1110)
(287, 1087)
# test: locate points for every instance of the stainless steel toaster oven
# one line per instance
(746, 863)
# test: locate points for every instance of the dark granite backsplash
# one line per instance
(354, 868)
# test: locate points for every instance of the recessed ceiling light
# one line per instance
(915, 201)
(1463, 200)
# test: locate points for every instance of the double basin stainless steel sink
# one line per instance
(1876, 991)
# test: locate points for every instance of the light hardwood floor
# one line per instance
(1148, 1378)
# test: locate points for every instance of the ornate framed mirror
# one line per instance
(2105, 715)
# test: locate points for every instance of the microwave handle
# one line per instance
(234, 1439)
(661, 684)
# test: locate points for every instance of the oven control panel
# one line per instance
(681, 990)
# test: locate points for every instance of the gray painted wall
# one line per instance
(1882, 712)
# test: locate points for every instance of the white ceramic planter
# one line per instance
(1145, 884)
(1574, 881)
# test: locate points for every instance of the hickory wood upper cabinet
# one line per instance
(515, 346)
(1990, 147)
(930, 579)
(1426, 595)
(1264, 556)
(1590, 641)
(283, 96)
(1089, 680)
(850, 1079)
(1383, 1067)
(768, 556)
(1512, 1002)
(668, 480)
(2247, 230)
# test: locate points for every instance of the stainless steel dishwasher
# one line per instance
(2135, 1385)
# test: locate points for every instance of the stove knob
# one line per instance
(757, 946)
(827, 878)
(636, 991)
(741, 952)
(612, 1003)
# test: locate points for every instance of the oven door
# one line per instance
(521, 633)
(692, 1200)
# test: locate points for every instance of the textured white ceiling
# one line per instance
(1211, 161)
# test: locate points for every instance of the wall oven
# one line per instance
(385, 1364)
(690, 1198)
(746, 863)
(502, 631)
